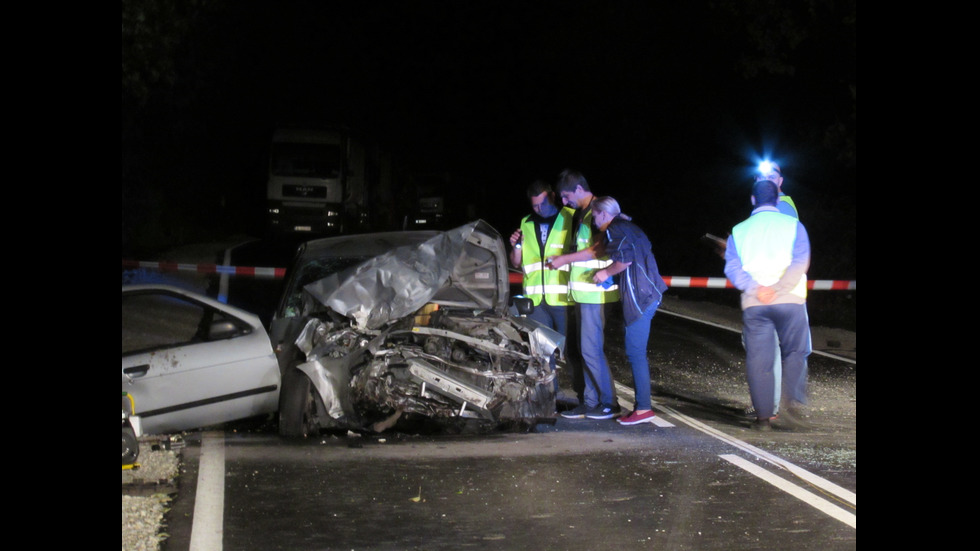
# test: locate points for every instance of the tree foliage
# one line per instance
(784, 36)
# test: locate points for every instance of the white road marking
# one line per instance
(661, 422)
(207, 529)
(823, 505)
(809, 477)
(626, 397)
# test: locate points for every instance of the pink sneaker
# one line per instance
(637, 418)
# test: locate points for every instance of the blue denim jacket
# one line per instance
(641, 285)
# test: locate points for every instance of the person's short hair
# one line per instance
(569, 179)
(765, 192)
(537, 187)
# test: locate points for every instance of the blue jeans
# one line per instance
(777, 365)
(792, 327)
(777, 371)
(555, 317)
(637, 337)
(598, 380)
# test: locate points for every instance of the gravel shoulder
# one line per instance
(147, 491)
(716, 392)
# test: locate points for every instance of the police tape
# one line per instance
(723, 283)
(513, 277)
(205, 268)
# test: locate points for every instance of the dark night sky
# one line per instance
(647, 99)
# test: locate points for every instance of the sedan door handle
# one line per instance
(137, 371)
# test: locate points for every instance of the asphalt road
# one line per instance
(698, 480)
(575, 484)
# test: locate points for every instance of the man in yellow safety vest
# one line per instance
(599, 401)
(547, 231)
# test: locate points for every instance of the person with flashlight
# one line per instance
(768, 170)
(767, 257)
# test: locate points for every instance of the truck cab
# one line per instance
(317, 182)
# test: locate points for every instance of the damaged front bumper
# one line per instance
(450, 365)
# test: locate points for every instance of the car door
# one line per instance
(190, 361)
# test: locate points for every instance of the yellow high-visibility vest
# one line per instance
(580, 283)
(765, 247)
(541, 282)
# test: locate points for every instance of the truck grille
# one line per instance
(308, 192)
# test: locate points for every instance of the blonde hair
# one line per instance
(609, 205)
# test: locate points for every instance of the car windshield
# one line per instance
(310, 160)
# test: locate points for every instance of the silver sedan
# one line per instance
(190, 361)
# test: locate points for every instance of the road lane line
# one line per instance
(809, 477)
(209, 501)
(823, 505)
(626, 399)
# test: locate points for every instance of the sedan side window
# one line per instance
(156, 320)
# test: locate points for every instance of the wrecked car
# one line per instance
(402, 329)
(190, 361)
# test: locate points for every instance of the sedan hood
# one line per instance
(463, 267)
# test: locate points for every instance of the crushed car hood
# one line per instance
(463, 267)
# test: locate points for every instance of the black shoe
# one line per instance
(577, 412)
(600, 412)
(762, 425)
(793, 417)
(750, 414)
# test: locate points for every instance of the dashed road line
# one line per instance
(823, 505)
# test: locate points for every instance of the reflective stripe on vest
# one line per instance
(583, 289)
(765, 247)
(541, 282)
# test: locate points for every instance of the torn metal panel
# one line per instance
(398, 283)
(330, 384)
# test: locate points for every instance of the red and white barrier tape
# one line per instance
(514, 277)
(205, 268)
(723, 283)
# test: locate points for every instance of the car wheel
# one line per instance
(130, 446)
(297, 406)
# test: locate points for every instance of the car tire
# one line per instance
(297, 406)
(130, 446)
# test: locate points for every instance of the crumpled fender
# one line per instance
(331, 378)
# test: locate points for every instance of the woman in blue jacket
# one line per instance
(641, 288)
